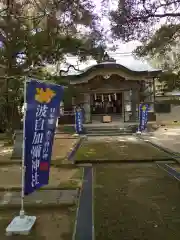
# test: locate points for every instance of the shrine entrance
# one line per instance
(106, 103)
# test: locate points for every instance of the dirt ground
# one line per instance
(61, 148)
(11, 176)
(136, 201)
(50, 225)
(5, 152)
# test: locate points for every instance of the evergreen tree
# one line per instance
(36, 33)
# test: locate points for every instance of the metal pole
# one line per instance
(75, 119)
(22, 213)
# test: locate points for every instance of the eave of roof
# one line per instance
(113, 66)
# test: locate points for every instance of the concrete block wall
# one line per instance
(174, 115)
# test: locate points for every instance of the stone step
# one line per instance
(43, 197)
(107, 130)
(111, 130)
(103, 129)
(108, 134)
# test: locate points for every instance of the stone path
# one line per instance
(167, 137)
(40, 197)
(114, 138)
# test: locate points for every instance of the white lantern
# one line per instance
(109, 96)
(115, 97)
(102, 97)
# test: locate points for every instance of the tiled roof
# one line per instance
(113, 66)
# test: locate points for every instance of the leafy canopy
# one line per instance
(156, 24)
(138, 19)
(35, 33)
(162, 50)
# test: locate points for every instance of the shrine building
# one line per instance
(110, 89)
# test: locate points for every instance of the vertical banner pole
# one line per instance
(41, 117)
(78, 121)
(23, 153)
(139, 125)
(22, 224)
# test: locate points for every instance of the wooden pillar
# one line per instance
(87, 107)
(134, 98)
(126, 105)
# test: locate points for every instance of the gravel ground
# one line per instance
(136, 201)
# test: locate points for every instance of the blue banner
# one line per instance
(42, 110)
(79, 121)
(143, 116)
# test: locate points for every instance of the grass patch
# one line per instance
(50, 224)
(75, 180)
(79, 174)
(135, 201)
(118, 150)
(92, 151)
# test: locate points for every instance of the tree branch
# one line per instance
(66, 71)
(134, 19)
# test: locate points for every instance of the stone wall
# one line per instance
(174, 115)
